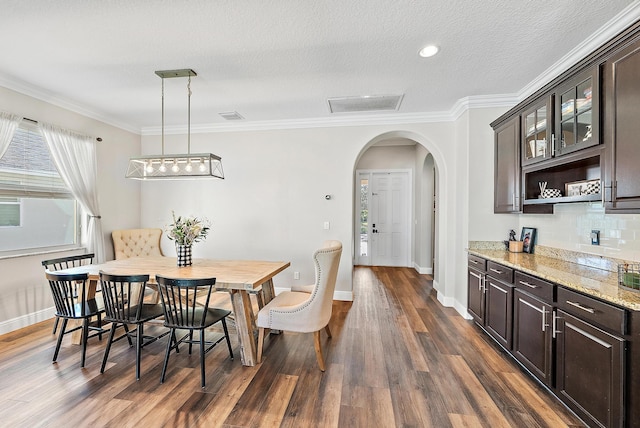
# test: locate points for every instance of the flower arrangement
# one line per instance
(187, 230)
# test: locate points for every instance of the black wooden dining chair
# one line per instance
(123, 297)
(182, 312)
(70, 297)
(65, 263)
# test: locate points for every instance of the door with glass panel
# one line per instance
(383, 223)
(577, 107)
(537, 132)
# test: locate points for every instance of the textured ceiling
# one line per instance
(278, 60)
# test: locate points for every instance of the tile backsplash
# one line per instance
(570, 227)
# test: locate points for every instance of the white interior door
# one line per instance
(384, 206)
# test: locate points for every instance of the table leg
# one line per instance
(267, 292)
(245, 324)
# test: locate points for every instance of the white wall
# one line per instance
(24, 294)
(271, 204)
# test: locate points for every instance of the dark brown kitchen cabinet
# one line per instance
(507, 167)
(590, 370)
(499, 311)
(537, 131)
(475, 295)
(621, 129)
(532, 335)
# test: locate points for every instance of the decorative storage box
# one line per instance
(551, 193)
(629, 276)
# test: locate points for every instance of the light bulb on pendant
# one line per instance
(175, 168)
(188, 168)
(163, 167)
(202, 166)
(149, 167)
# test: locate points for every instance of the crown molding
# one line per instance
(59, 101)
(462, 105)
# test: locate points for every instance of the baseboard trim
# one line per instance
(423, 270)
(26, 320)
(450, 302)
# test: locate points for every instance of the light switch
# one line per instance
(327, 226)
(595, 237)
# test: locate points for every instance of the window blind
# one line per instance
(27, 169)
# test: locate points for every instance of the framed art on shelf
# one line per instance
(528, 238)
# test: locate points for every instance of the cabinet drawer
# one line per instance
(536, 286)
(500, 272)
(477, 263)
(593, 310)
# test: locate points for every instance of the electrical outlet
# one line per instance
(595, 237)
(296, 275)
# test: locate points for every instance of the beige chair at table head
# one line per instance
(305, 311)
(129, 243)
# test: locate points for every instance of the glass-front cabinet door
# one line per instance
(537, 131)
(577, 114)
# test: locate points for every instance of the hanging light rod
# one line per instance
(176, 166)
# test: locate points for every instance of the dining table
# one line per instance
(240, 278)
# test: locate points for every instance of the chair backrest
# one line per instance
(178, 297)
(129, 243)
(319, 306)
(123, 296)
(68, 262)
(66, 289)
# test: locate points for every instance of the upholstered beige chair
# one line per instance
(309, 309)
(129, 243)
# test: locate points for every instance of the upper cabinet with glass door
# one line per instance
(537, 132)
(577, 114)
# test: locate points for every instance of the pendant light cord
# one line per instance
(189, 117)
(162, 116)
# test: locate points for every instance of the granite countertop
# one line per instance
(599, 283)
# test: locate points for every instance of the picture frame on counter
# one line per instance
(528, 238)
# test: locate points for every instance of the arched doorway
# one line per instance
(398, 151)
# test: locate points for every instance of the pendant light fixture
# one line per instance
(176, 166)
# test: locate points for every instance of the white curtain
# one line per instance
(75, 158)
(8, 125)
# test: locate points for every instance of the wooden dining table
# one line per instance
(239, 277)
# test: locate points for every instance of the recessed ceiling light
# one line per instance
(428, 51)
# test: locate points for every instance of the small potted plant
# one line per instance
(185, 231)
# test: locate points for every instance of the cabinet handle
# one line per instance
(528, 285)
(579, 306)
(553, 145)
(513, 200)
(474, 262)
(555, 325)
(495, 270)
(483, 281)
(544, 319)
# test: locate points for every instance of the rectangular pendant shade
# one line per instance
(175, 167)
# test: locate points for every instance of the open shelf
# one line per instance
(578, 167)
(564, 199)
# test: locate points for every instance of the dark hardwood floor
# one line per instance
(397, 358)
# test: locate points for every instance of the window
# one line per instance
(37, 210)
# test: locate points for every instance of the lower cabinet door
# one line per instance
(532, 335)
(475, 296)
(590, 371)
(499, 311)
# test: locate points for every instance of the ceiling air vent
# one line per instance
(231, 115)
(365, 103)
